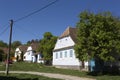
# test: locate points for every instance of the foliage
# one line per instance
(3, 44)
(46, 45)
(1, 54)
(98, 36)
(32, 41)
(16, 44)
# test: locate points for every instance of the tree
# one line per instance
(98, 36)
(1, 54)
(3, 44)
(16, 44)
(46, 46)
(32, 41)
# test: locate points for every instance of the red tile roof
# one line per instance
(69, 32)
(23, 48)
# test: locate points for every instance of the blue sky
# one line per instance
(55, 19)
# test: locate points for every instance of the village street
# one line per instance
(51, 75)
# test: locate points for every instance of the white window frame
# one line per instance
(71, 53)
(65, 54)
(61, 55)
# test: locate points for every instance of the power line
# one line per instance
(26, 30)
(4, 31)
(30, 14)
(19, 19)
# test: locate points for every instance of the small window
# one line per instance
(71, 53)
(28, 53)
(56, 55)
(60, 54)
(24, 57)
(65, 54)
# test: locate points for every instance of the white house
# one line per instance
(28, 53)
(19, 52)
(64, 53)
(29, 56)
(40, 58)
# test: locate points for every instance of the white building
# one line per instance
(64, 53)
(28, 53)
(40, 58)
(19, 52)
(29, 56)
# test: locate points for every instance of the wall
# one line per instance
(65, 57)
(64, 42)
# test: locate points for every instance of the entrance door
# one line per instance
(92, 65)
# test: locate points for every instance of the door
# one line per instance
(92, 65)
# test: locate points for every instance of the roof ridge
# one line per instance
(66, 32)
(70, 31)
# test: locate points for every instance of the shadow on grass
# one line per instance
(103, 73)
(14, 78)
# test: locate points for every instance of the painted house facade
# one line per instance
(28, 53)
(19, 52)
(29, 56)
(64, 53)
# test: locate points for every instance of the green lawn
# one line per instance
(24, 77)
(24, 66)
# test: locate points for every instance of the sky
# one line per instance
(55, 18)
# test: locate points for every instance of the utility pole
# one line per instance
(8, 55)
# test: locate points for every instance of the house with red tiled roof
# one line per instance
(28, 53)
(64, 54)
(19, 52)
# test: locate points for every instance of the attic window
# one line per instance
(66, 39)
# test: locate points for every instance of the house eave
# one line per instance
(64, 48)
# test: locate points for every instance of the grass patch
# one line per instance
(24, 77)
(24, 66)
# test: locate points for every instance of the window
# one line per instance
(65, 54)
(56, 55)
(24, 57)
(28, 53)
(60, 54)
(71, 53)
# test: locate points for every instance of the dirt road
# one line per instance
(51, 75)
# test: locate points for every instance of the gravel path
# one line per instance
(51, 75)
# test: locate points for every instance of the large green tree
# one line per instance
(98, 36)
(46, 45)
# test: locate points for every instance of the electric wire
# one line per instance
(24, 17)
(26, 31)
(4, 30)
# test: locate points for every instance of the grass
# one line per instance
(24, 77)
(23, 66)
